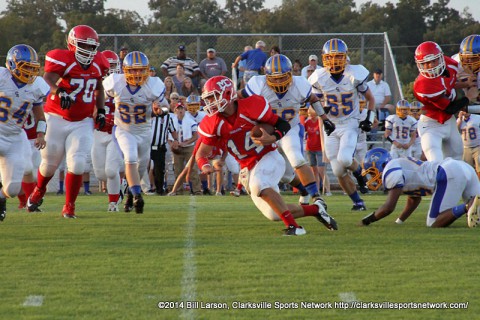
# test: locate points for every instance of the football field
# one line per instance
(211, 257)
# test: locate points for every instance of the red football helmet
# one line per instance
(83, 40)
(114, 61)
(430, 60)
(217, 93)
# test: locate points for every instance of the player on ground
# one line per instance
(106, 159)
(447, 181)
(136, 95)
(286, 94)
(21, 91)
(261, 164)
(339, 84)
(75, 80)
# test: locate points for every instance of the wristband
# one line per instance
(278, 134)
(390, 139)
(317, 106)
(370, 116)
(41, 126)
(473, 109)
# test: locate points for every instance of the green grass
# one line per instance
(221, 249)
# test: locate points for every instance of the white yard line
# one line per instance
(189, 267)
(33, 301)
(348, 296)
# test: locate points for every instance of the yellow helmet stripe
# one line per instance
(468, 46)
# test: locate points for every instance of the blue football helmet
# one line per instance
(470, 53)
(193, 104)
(334, 55)
(136, 68)
(375, 161)
(278, 70)
(22, 61)
(403, 108)
(416, 109)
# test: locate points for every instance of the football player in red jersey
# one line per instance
(231, 119)
(76, 93)
(435, 89)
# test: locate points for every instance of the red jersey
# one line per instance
(30, 127)
(437, 93)
(78, 82)
(216, 151)
(312, 132)
(235, 130)
(109, 115)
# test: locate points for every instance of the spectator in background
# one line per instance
(152, 72)
(121, 55)
(274, 50)
(242, 66)
(179, 76)
(255, 61)
(169, 66)
(169, 87)
(174, 99)
(212, 66)
(314, 147)
(312, 66)
(383, 96)
(188, 88)
(187, 135)
(297, 68)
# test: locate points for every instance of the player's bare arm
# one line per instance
(411, 205)
(201, 157)
(387, 208)
(39, 116)
(52, 79)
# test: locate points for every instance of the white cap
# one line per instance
(313, 57)
(260, 43)
(211, 50)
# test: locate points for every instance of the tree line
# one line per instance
(43, 23)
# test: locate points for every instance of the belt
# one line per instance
(253, 70)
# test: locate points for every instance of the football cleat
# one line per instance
(87, 193)
(36, 199)
(68, 211)
(359, 206)
(324, 217)
(3, 208)
(294, 231)
(324, 204)
(128, 206)
(113, 207)
(473, 213)
(304, 200)
(364, 190)
(235, 193)
(138, 203)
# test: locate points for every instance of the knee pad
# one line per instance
(338, 169)
(12, 189)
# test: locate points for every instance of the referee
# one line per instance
(162, 125)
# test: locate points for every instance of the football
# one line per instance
(256, 132)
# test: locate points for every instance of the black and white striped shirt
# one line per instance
(161, 127)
